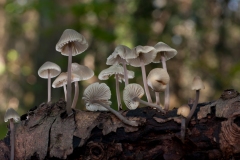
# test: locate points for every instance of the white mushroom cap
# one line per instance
(197, 83)
(144, 53)
(61, 80)
(131, 91)
(120, 53)
(183, 111)
(77, 41)
(166, 50)
(95, 93)
(130, 75)
(158, 79)
(11, 114)
(54, 69)
(82, 71)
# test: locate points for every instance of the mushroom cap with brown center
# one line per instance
(61, 80)
(11, 114)
(54, 69)
(158, 79)
(71, 42)
(197, 83)
(82, 71)
(165, 50)
(183, 111)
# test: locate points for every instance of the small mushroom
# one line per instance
(71, 44)
(184, 112)
(84, 73)
(96, 97)
(197, 85)
(49, 70)
(145, 55)
(158, 80)
(116, 70)
(12, 116)
(132, 94)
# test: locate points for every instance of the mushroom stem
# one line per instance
(49, 86)
(183, 128)
(69, 86)
(157, 98)
(12, 138)
(118, 93)
(65, 92)
(149, 104)
(75, 99)
(193, 108)
(166, 93)
(145, 82)
(122, 118)
(125, 72)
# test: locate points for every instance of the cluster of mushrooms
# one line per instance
(97, 95)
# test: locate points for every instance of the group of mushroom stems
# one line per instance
(97, 95)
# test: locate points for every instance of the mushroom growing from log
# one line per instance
(132, 94)
(158, 80)
(145, 55)
(71, 44)
(96, 97)
(11, 115)
(197, 85)
(118, 71)
(184, 112)
(164, 53)
(49, 70)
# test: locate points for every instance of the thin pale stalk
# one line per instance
(145, 82)
(121, 117)
(69, 86)
(166, 93)
(149, 104)
(183, 128)
(12, 139)
(125, 72)
(65, 92)
(157, 98)
(49, 86)
(75, 99)
(118, 93)
(193, 108)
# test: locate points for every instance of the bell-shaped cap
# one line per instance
(197, 83)
(61, 80)
(11, 114)
(82, 71)
(121, 53)
(130, 92)
(54, 69)
(96, 93)
(183, 111)
(146, 54)
(165, 50)
(158, 79)
(71, 42)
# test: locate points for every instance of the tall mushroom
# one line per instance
(49, 70)
(132, 94)
(119, 56)
(145, 55)
(164, 53)
(12, 116)
(158, 80)
(116, 70)
(71, 44)
(197, 85)
(96, 97)
(84, 73)
(184, 112)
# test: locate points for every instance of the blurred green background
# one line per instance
(206, 35)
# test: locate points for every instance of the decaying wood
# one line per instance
(46, 133)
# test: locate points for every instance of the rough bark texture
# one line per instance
(46, 133)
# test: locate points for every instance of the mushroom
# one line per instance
(164, 53)
(11, 115)
(184, 112)
(145, 55)
(96, 97)
(197, 85)
(71, 44)
(117, 70)
(49, 70)
(119, 56)
(132, 94)
(158, 80)
(84, 73)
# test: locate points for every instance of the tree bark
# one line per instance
(45, 132)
